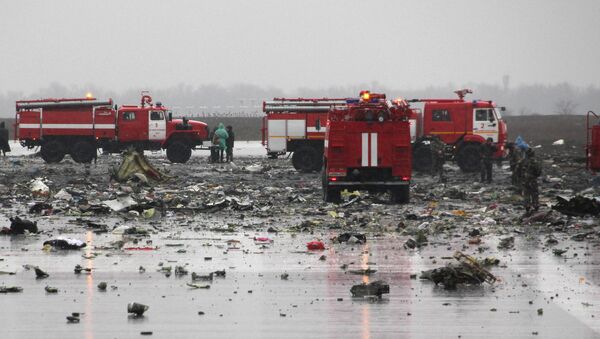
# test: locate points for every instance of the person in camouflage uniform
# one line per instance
(531, 169)
(514, 157)
(437, 159)
(487, 156)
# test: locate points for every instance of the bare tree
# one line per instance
(565, 107)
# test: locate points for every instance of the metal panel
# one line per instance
(296, 129)
(276, 139)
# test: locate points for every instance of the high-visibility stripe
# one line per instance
(68, 126)
(373, 149)
(365, 150)
(315, 130)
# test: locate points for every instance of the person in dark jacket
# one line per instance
(437, 159)
(230, 142)
(4, 146)
(487, 156)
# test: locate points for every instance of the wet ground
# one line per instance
(252, 300)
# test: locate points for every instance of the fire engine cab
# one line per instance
(80, 126)
(462, 125)
(367, 146)
(297, 125)
(592, 148)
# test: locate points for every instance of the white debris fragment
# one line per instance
(63, 195)
(39, 188)
(120, 204)
(559, 142)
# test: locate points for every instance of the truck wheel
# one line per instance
(305, 159)
(179, 152)
(469, 158)
(422, 158)
(83, 152)
(400, 195)
(52, 151)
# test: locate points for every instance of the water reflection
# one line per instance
(89, 281)
(364, 264)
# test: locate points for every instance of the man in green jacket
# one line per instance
(221, 135)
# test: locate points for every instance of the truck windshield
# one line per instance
(157, 115)
(497, 112)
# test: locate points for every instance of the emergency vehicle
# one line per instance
(80, 126)
(592, 148)
(462, 125)
(367, 146)
(297, 125)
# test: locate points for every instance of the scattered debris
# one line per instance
(350, 238)
(65, 244)
(468, 271)
(39, 274)
(19, 226)
(376, 288)
(315, 246)
(577, 206)
(102, 286)
(51, 289)
(198, 286)
(137, 309)
(10, 289)
(507, 243)
(136, 166)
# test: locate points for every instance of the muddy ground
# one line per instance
(210, 217)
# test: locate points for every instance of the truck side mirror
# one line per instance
(170, 116)
(318, 124)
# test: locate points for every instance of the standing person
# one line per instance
(230, 143)
(214, 148)
(532, 169)
(514, 157)
(487, 155)
(438, 159)
(4, 146)
(221, 133)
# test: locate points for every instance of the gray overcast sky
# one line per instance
(288, 43)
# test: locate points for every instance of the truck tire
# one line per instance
(179, 152)
(305, 159)
(400, 195)
(83, 152)
(330, 194)
(469, 157)
(52, 151)
(422, 158)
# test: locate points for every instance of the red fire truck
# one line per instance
(297, 125)
(592, 148)
(367, 146)
(80, 126)
(462, 125)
